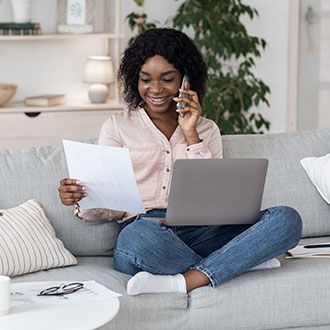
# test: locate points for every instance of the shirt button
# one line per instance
(188, 149)
(164, 187)
(167, 151)
(167, 170)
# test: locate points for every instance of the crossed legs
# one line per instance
(197, 256)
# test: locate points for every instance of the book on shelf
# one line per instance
(18, 26)
(45, 100)
(313, 250)
(20, 29)
(20, 32)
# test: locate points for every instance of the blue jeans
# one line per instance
(220, 252)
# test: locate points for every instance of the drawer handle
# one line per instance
(32, 114)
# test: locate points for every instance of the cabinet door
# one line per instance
(49, 128)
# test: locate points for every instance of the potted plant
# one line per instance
(138, 20)
(229, 52)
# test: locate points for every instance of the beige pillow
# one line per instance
(28, 242)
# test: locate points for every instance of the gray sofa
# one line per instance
(294, 296)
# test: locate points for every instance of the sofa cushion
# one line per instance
(287, 183)
(35, 173)
(292, 296)
(28, 242)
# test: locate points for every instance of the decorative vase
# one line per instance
(21, 10)
(139, 20)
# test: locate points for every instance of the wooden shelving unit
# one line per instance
(70, 105)
(57, 36)
(22, 126)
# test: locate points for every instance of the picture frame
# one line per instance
(75, 16)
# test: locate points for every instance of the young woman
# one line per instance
(178, 258)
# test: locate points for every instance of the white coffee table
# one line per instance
(73, 316)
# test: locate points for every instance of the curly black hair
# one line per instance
(176, 47)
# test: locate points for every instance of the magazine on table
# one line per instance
(314, 250)
(29, 293)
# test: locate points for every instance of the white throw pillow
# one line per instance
(28, 242)
(318, 170)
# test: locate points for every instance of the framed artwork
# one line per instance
(75, 16)
(76, 11)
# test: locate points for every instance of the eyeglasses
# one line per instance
(62, 289)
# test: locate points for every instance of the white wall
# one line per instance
(273, 26)
(56, 66)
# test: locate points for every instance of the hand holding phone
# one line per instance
(182, 104)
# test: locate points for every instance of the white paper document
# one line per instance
(27, 293)
(107, 173)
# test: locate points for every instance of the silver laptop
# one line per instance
(216, 191)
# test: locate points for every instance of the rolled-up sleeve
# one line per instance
(208, 148)
(92, 215)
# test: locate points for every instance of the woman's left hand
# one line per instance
(192, 110)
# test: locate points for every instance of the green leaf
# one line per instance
(139, 2)
(257, 100)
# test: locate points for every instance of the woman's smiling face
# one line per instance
(159, 82)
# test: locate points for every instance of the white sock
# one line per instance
(272, 263)
(144, 282)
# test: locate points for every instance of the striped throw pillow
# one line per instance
(28, 242)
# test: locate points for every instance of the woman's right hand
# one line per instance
(71, 191)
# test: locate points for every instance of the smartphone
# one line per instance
(181, 104)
